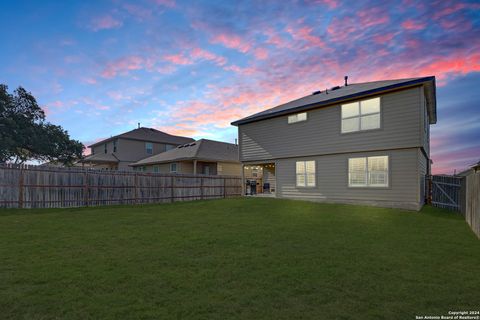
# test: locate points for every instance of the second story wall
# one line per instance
(130, 150)
(134, 150)
(400, 127)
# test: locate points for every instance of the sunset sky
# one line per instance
(191, 67)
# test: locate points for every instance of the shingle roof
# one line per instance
(149, 134)
(203, 149)
(354, 90)
(100, 157)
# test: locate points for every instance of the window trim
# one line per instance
(296, 118)
(367, 185)
(176, 167)
(359, 116)
(105, 148)
(305, 174)
(115, 142)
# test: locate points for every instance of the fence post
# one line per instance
(85, 188)
(224, 187)
(20, 189)
(136, 187)
(172, 183)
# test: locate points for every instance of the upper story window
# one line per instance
(297, 117)
(173, 167)
(105, 148)
(368, 172)
(169, 147)
(305, 171)
(361, 115)
(115, 145)
(149, 147)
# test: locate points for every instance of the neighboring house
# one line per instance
(200, 157)
(119, 151)
(363, 143)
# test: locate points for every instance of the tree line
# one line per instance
(26, 135)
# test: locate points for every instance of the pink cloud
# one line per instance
(305, 34)
(232, 42)
(384, 38)
(123, 66)
(201, 54)
(453, 8)
(372, 17)
(105, 22)
(274, 38)
(261, 53)
(89, 80)
(178, 59)
(332, 4)
(242, 71)
(413, 25)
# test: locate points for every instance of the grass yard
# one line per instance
(236, 259)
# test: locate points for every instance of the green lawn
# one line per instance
(236, 259)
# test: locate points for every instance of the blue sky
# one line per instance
(190, 68)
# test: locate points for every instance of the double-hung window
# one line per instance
(173, 167)
(368, 172)
(361, 115)
(297, 117)
(305, 172)
(149, 147)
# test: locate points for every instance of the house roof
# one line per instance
(150, 135)
(203, 149)
(352, 91)
(100, 157)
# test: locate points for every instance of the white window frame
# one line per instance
(147, 144)
(172, 165)
(305, 174)
(367, 183)
(361, 115)
(298, 117)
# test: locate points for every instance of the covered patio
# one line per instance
(259, 179)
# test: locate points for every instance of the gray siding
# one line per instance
(321, 133)
(332, 180)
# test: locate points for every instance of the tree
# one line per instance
(25, 135)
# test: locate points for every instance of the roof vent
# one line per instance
(316, 92)
(335, 88)
(346, 80)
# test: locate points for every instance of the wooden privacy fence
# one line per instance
(460, 194)
(471, 206)
(43, 187)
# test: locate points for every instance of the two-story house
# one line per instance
(361, 143)
(117, 152)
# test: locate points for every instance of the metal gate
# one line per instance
(445, 192)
